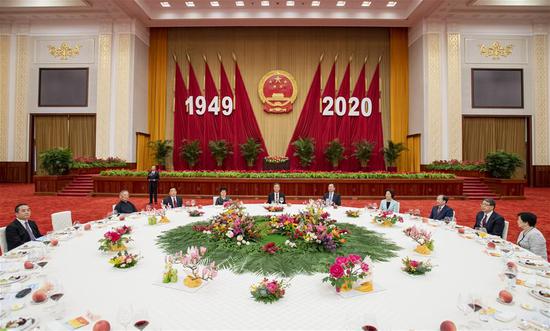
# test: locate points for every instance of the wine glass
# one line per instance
(124, 316)
(328, 202)
(281, 200)
(142, 319)
(511, 275)
(76, 225)
(192, 203)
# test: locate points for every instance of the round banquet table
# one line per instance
(406, 302)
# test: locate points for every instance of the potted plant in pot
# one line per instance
(363, 151)
(250, 151)
(161, 150)
(392, 153)
(220, 149)
(304, 149)
(190, 152)
(334, 153)
(56, 161)
(501, 164)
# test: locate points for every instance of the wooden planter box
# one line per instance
(277, 166)
(96, 170)
(458, 173)
(506, 188)
(50, 185)
(292, 187)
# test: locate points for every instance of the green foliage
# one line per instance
(392, 152)
(56, 161)
(161, 150)
(334, 152)
(253, 174)
(456, 165)
(304, 149)
(92, 162)
(363, 151)
(190, 152)
(287, 261)
(220, 149)
(250, 151)
(501, 164)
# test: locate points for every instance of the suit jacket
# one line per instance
(153, 177)
(394, 205)
(17, 235)
(494, 225)
(271, 197)
(125, 207)
(168, 202)
(445, 212)
(335, 198)
(220, 201)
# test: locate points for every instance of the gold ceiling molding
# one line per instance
(495, 50)
(64, 51)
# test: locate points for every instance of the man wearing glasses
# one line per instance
(487, 218)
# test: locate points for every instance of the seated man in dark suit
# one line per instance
(223, 198)
(441, 210)
(124, 206)
(276, 196)
(172, 199)
(487, 218)
(22, 229)
(331, 197)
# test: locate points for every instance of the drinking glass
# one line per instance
(124, 316)
(511, 275)
(141, 318)
(281, 200)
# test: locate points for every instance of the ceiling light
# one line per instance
(290, 3)
(340, 4)
(239, 3)
(366, 4)
(315, 3)
(214, 4)
(189, 3)
(165, 4)
(391, 4)
(265, 3)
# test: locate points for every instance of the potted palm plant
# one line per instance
(501, 164)
(304, 149)
(161, 150)
(220, 149)
(250, 151)
(363, 151)
(56, 161)
(392, 153)
(334, 153)
(190, 152)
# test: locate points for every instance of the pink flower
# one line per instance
(340, 260)
(414, 263)
(336, 271)
(354, 258)
(365, 267)
(202, 250)
(272, 287)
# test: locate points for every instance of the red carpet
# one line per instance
(91, 208)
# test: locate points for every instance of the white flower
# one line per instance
(240, 237)
(230, 234)
(421, 241)
(248, 243)
(318, 241)
(238, 243)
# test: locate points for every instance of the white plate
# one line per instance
(545, 312)
(530, 263)
(543, 274)
(535, 293)
(10, 280)
(31, 322)
(504, 316)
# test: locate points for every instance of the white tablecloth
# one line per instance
(91, 284)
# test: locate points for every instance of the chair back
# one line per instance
(505, 231)
(61, 220)
(3, 241)
(214, 198)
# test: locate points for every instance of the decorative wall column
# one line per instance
(541, 116)
(434, 118)
(4, 90)
(21, 116)
(454, 98)
(122, 96)
(103, 123)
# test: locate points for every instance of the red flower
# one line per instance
(113, 236)
(270, 248)
(414, 263)
(336, 271)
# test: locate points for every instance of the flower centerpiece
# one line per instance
(232, 225)
(170, 274)
(233, 205)
(372, 206)
(152, 219)
(275, 159)
(354, 213)
(347, 273)
(270, 248)
(423, 238)
(414, 267)
(195, 213)
(197, 272)
(268, 291)
(274, 208)
(124, 260)
(115, 240)
(387, 218)
(163, 218)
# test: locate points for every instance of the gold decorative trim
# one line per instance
(496, 50)
(103, 111)
(434, 132)
(64, 51)
(4, 96)
(122, 117)
(22, 70)
(454, 97)
(540, 80)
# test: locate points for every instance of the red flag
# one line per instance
(195, 123)
(180, 95)
(226, 123)
(209, 117)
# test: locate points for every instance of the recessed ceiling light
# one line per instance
(315, 3)
(189, 3)
(340, 3)
(265, 3)
(165, 4)
(366, 4)
(391, 4)
(239, 3)
(290, 3)
(214, 4)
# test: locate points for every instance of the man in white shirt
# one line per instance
(489, 219)
(22, 229)
(331, 197)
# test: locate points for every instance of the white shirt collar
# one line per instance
(489, 214)
(23, 222)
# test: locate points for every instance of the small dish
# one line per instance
(504, 316)
(527, 306)
(499, 300)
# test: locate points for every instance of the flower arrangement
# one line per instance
(347, 270)
(354, 213)
(170, 274)
(233, 205)
(414, 267)
(268, 291)
(197, 273)
(232, 225)
(275, 159)
(195, 212)
(152, 219)
(274, 208)
(124, 260)
(422, 237)
(414, 212)
(373, 205)
(115, 240)
(270, 248)
(387, 218)
(457, 165)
